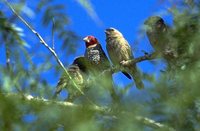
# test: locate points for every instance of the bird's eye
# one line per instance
(110, 29)
(160, 21)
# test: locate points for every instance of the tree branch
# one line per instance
(105, 110)
(7, 53)
(153, 123)
(52, 33)
(115, 69)
(7, 56)
(140, 59)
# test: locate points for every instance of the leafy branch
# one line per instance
(103, 110)
(42, 41)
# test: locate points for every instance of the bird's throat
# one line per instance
(90, 46)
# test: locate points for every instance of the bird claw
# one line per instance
(124, 63)
(145, 53)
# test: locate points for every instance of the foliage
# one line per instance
(27, 67)
(173, 98)
(53, 12)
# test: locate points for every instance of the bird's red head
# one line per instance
(90, 41)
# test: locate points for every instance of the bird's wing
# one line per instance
(103, 57)
(111, 53)
(127, 52)
(83, 64)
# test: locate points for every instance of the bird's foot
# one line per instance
(145, 53)
(124, 63)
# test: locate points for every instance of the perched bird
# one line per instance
(119, 50)
(99, 61)
(159, 36)
(96, 55)
(78, 71)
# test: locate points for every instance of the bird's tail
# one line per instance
(126, 74)
(58, 90)
(107, 81)
(61, 84)
(137, 76)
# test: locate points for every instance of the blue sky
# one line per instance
(127, 16)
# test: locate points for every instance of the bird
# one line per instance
(100, 62)
(96, 54)
(78, 72)
(160, 37)
(119, 50)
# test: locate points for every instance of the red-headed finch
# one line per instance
(99, 61)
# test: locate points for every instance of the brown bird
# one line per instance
(159, 36)
(119, 50)
(78, 71)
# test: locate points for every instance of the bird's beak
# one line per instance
(86, 39)
(159, 25)
(107, 31)
(146, 22)
(147, 28)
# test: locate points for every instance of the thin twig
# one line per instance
(7, 55)
(140, 59)
(8, 64)
(52, 33)
(153, 123)
(42, 41)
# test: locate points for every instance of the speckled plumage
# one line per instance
(78, 72)
(119, 50)
(97, 57)
(99, 61)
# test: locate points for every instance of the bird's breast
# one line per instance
(94, 56)
(118, 51)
